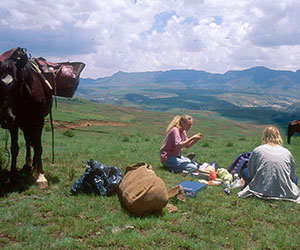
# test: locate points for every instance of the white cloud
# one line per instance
(276, 24)
(146, 35)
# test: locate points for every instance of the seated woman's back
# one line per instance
(271, 168)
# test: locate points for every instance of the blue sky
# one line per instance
(149, 35)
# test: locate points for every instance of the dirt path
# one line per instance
(85, 123)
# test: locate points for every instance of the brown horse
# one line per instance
(25, 100)
(294, 126)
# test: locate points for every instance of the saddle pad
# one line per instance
(191, 188)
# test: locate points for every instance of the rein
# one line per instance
(52, 130)
(6, 151)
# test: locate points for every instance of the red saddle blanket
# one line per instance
(63, 76)
(7, 54)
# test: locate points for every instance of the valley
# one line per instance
(249, 93)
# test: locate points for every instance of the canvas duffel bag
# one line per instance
(141, 191)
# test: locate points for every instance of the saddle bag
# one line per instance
(63, 76)
(141, 191)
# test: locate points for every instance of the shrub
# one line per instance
(125, 139)
(68, 133)
(47, 128)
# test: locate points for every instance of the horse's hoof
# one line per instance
(41, 181)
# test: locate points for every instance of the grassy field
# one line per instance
(117, 136)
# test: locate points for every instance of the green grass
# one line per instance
(55, 219)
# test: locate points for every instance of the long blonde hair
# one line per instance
(271, 135)
(177, 121)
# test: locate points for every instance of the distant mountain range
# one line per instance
(254, 80)
(228, 93)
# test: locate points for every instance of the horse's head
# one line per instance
(12, 63)
(8, 78)
(8, 73)
(12, 75)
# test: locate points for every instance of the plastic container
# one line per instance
(238, 183)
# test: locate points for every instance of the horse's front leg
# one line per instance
(14, 149)
(290, 133)
(37, 160)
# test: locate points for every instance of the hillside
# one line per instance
(259, 88)
(53, 218)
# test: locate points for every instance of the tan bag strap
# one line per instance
(138, 165)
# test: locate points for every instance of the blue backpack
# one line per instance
(240, 162)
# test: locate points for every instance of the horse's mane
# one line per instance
(28, 72)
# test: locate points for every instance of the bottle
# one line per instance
(227, 191)
(235, 176)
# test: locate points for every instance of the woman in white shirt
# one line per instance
(272, 170)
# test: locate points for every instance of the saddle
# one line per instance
(63, 76)
(19, 55)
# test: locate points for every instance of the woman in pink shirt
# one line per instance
(175, 141)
